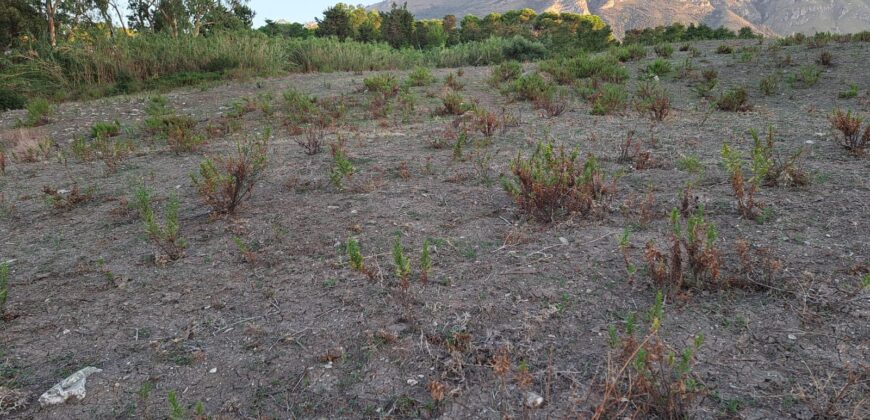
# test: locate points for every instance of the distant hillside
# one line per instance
(781, 17)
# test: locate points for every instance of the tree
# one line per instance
(286, 30)
(51, 14)
(336, 22)
(471, 29)
(449, 25)
(397, 26)
(17, 18)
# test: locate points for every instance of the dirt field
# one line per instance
(288, 330)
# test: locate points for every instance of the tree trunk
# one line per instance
(50, 11)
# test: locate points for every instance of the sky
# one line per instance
(294, 10)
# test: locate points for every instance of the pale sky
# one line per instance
(301, 11)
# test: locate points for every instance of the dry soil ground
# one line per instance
(290, 331)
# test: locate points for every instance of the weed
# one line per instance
(452, 81)
(165, 236)
(401, 265)
(850, 127)
(247, 250)
(298, 106)
(610, 99)
(531, 87)
(653, 99)
(111, 151)
(664, 50)
(454, 104)
(691, 235)
(425, 263)
(744, 190)
(224, 182)
(770, 84)
(385, 84)
(420, 76)
(647, 378)
(806, 77)
(779, 171)
(624, 246)
(553, 183)
(659, 67)
(343, 168)
(38, 113)
(505, 72)
(849, 94)
(105, 129)
(690, 163)
(313, 141)
(67, 199)
(734, 100)
(825, 58)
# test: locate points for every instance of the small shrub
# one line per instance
(38, 113)
(343, 167)
(825, 58)
(744, 190)
(401, 264)
(780, 171)
(2, 162)
(691, 164)
(313, 141)
(298, 106)
(112, 151)
(770, 84)
(734, 100)
(452, 81)
(486, 122)
(626, 53)
(553, 105)
(806, 77)
(724, 49)
(664, 50)
(165, 236)
(645, 377)
(67, 200)
(522, 49)
(659, 67)
(691, 259)
(10, 99)
(425, 263)
(609, 99)
(653, 99)
(849, 94)
(224, 182)
(105, 129)
(850, 127)
(421, 76)
(385, 84)
(505, 72)
(531, 87)
(554, 183)
(454, 104)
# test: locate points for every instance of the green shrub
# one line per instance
(652, 98)
(531, 87)
(105, 129)
(225, 182)
(553, 183)
(659, 67)
(10, 99)
(165, 236)
(770, 84)
(664, 50)
(611, 98)
(522, 49)
(807, 76)
(505, 72)
(385, 84)
(454, 104)
(421, 76)
(849, 94)
(38, 111)
(734, 99)
(630, 52)
(724, 49)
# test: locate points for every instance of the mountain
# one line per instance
(779, 17)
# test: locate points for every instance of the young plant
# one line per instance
(744, 190)
(734, 100)
(105, 129)
(653, 99)
(165, 236)
(553, 183)
(452, 81)
(401, 265)
(624, 249)
(343, 167)
(849, 94)
(645, 377)
(420, 76)
(780, 171)
(66, 200)
(313, 141)
(610, 99)
(693, 237)
(806, 77)
(664, 50)
(454, 104)
(224, 182)
(356, 260)
(770, 84)
(385, 84)
(658, 68)
(38, 113)
(850, 127)
(505, 72)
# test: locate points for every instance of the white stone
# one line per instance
(72, 386)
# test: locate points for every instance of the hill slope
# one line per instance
(781, 17)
